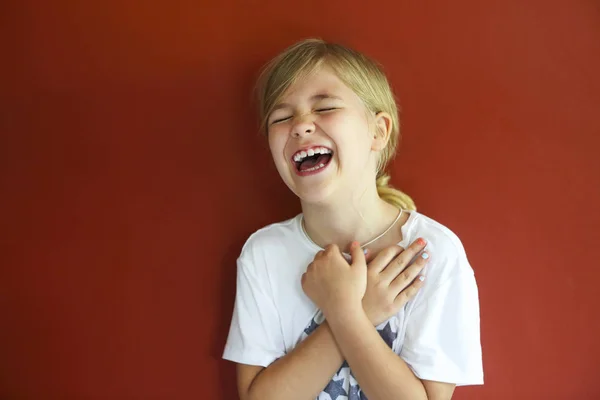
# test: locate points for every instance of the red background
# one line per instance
(131, 172)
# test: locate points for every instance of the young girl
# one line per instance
(359, 296)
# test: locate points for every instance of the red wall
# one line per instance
(131, 173)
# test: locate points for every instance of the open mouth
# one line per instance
(312, 160)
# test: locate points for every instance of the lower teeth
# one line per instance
(314, 168)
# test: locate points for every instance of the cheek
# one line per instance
(345, 122)
(274, 140)
(347, 129)
(277, 146)
(353, 139)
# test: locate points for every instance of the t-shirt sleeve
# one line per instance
(254, 335)
(442, 341)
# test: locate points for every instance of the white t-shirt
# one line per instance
(436, 333)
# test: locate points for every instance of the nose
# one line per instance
(304, 126)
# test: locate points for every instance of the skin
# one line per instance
(341, 208)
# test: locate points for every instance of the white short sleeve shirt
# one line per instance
(436, 333)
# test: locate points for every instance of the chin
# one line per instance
(315, 195)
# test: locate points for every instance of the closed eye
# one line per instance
(280, 120)
(290, 117)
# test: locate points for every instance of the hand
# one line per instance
(332, 283)
(391, 282)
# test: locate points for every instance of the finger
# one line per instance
(358, 256)
(384, 257)
(409, 293)
(405, 258)
(370, 256)
(331, 248)
(409, 273)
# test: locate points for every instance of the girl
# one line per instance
(334, 304)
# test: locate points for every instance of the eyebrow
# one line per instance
(313, 98)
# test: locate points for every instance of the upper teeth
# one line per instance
(301, 155)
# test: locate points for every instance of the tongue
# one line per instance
(310, 162)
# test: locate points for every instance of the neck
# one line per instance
(341, 222)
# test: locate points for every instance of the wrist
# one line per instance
(347, 313)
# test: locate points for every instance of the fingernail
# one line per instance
(421, 278)
(424, 256)
(421, 242)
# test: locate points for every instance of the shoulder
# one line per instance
(448, 256)
(269, 240)
(438, 235)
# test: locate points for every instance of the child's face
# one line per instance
(321, 140)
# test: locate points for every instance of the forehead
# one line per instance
(321, 83)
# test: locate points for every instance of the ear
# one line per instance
(383, 130)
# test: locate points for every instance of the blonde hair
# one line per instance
(355, 70)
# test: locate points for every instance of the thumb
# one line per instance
(358, 255)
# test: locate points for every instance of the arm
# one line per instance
(300, 375)
(304, 372)
(381, 373)
(255, 340)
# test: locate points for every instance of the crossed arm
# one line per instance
(349, 334)
(303, 373)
